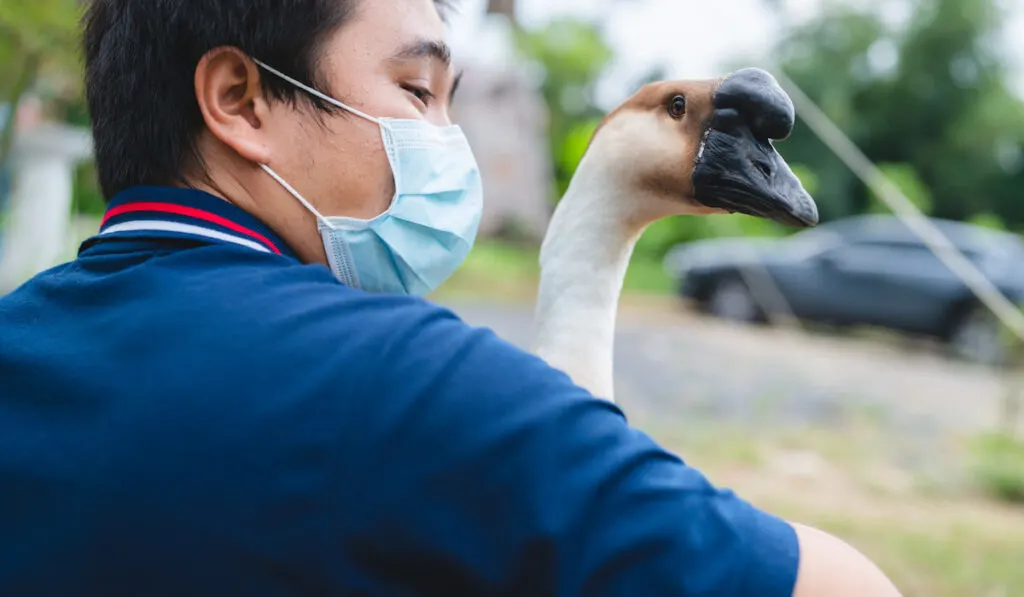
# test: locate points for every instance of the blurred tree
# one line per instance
(575, 144)
(955, 108)
(664, 234)
(907, 180)
(573, 55)
(987, 220)
(823, 57)
(807, 178)
(933, 97)
(37, 37)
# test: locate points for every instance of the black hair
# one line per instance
(140, 61)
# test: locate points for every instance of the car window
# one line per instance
(883, 244)
(810, 243)
(898, 258)
(995, 260)
(868, 257)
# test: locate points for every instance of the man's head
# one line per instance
(177, 99)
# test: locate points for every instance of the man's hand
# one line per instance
(831, 568)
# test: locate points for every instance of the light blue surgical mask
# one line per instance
(432, 222)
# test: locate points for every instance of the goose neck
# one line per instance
(583, 261)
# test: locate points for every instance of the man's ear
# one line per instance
(231, 99)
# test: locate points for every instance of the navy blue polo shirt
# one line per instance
(186, 409)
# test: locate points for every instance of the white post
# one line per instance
(37, 227)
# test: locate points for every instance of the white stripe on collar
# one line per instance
(165, 226)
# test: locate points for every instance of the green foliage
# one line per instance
(933, 97)
(647, 276)
(757, 227)
(48, 28)
(827, 58)
(41, 22)
(998, 465)
(87, 198)
(906, 179)
(572, 148)
(807, 178)
(987, 220)
(36, 37)
(501, 271)
(664, 234)
(573, 55)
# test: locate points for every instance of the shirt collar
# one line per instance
(186, 213)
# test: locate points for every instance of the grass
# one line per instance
(501, 271)
(951, 555)
(948, 545)
(647, 276)
(997, 462)
(495, 271)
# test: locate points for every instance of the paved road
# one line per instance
(677, 366)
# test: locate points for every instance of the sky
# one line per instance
(692, 39)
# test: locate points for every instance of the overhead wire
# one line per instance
(832, 136)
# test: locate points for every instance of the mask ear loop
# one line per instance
(327, 99)
(297, 195)
(316, 93)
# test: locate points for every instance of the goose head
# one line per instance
(701, 147)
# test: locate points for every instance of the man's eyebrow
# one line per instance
(425, 48)
(455, 87)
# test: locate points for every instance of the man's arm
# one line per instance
(829, 567)
(559, 494)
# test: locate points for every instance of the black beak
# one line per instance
(737, 168)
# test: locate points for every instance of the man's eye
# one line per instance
(419, 93)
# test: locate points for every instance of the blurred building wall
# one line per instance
(500, 108)
(37, 226)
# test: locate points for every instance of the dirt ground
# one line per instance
(671, 362)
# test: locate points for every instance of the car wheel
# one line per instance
(732, 300)
(978, 337)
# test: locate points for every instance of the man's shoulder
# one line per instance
(305, 310)
(301, 298)
(295, 297)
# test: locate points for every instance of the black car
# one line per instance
(865, 270)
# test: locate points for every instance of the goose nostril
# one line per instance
(764, 169)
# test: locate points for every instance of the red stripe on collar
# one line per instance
(189, 212)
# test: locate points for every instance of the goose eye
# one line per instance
(677, 107)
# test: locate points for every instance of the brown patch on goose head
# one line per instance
(706, 147)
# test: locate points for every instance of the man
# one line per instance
(202, 404)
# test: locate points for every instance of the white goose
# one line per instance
(674, 148)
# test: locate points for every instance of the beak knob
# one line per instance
(759, 99)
